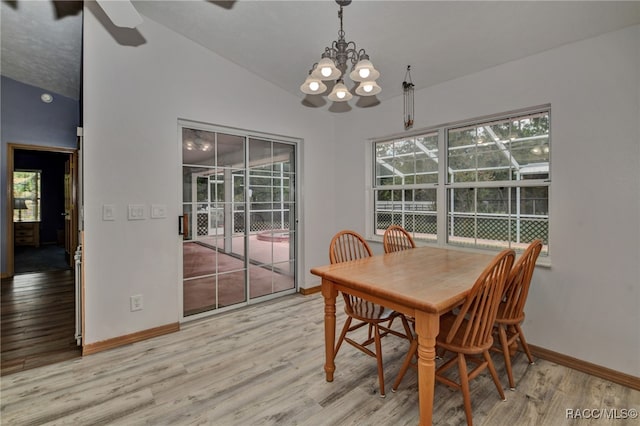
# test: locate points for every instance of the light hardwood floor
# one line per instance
(263, 365)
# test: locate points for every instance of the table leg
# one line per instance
(427, 327)
(329, 293)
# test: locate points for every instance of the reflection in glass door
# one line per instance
(238, 223)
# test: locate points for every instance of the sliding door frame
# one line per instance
(298, 233)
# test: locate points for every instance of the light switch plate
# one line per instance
(136, 212)
(108, 212)
(158, 211)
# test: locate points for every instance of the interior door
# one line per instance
(70, 217)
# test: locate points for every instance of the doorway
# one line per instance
(42, 231)
(238, 223)
(39, 295)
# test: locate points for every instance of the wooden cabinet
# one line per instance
(26, 233)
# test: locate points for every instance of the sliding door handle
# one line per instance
(180, 225)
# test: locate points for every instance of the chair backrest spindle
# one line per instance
(348, 245)
(396, 238)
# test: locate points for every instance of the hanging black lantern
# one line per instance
(407, 86)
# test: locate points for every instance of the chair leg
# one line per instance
(407, 329)
(494, 374)
(440, 352)
(347, 324)
(507, 356)
(405, 365)
(524, 343)
(464, 387)
(376, 331)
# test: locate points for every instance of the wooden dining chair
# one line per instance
(511, 309)
(396, 238)
(468, 333)
(349, 245)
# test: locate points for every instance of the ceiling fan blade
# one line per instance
(121, 12)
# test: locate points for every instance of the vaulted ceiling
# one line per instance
(280, 40)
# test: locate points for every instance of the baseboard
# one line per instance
(103, 345)
(586, 367)
(312, 290)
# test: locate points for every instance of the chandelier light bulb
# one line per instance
(364, 70)
(326, 70)
(340, 93)
(368, 88)
(313, 86)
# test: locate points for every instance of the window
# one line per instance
(406, 171)
(496, 182)
(26, 195)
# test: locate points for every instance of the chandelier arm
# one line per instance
(354, 54)
(333, 50)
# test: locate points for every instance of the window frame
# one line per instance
(442, 186)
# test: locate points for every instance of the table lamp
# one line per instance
(19, 204)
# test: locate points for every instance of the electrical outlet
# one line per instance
(136, 302)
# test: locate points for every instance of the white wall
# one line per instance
(586, 304)
(133, 97)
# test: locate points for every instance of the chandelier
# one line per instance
(333, 65)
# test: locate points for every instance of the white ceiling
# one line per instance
(281, 40)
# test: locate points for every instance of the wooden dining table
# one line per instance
(423, 282)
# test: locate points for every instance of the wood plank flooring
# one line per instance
(263, 365)
(38, 320)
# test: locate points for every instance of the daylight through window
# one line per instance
(491, 192)
(26, 196)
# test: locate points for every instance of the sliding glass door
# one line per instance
(239, 217)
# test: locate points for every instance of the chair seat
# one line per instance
(364, 310)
